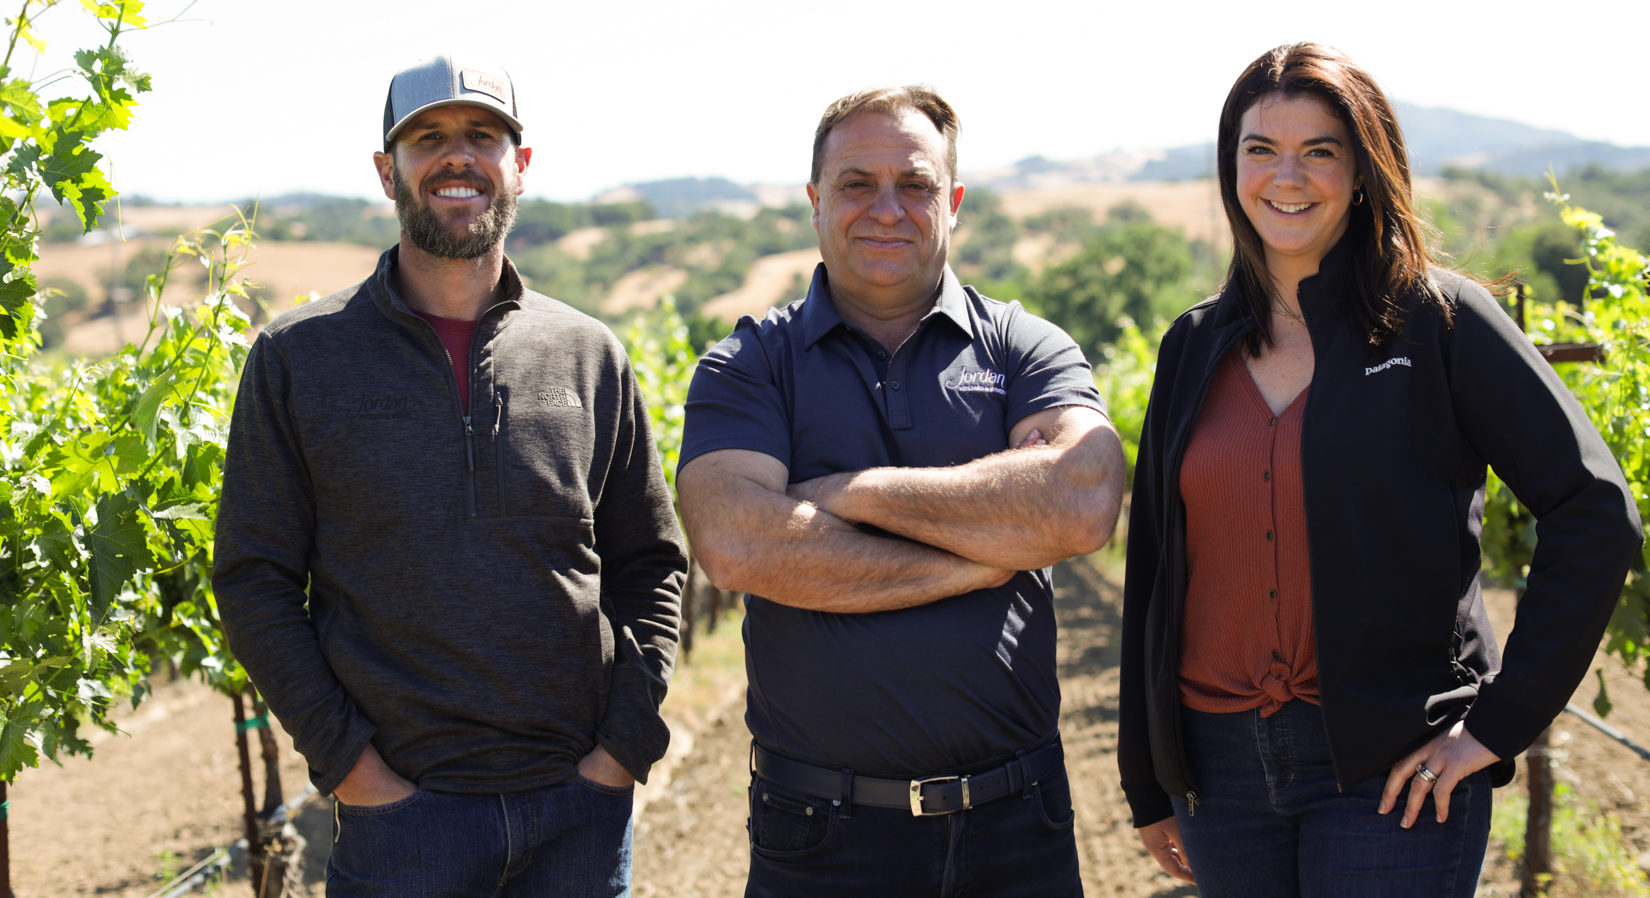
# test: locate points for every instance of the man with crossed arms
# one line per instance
(889, 467)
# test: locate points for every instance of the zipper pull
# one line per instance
(498, 413)
(469, 445)
(1191, 803)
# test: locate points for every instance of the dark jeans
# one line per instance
(1018, 845)
(570, 839)
(1270, 820)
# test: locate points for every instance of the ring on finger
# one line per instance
(1422, 771)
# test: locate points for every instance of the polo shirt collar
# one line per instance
(953, 302)
(819, 316)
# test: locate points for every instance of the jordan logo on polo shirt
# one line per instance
(977, 380)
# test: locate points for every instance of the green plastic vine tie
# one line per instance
(253, 723)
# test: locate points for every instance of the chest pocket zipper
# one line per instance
(498, 452)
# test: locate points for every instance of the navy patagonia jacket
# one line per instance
(1394, 447)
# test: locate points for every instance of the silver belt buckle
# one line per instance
(916, 794)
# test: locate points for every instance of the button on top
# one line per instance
(1268, 536)
(1266, 475)
(893, 385)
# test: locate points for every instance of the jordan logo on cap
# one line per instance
(481, 82)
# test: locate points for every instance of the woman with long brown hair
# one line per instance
(1312, 698)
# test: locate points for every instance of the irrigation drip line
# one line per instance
(215, 865)
(221, 860)
(1610, 731)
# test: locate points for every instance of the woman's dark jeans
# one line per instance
(1271, 822)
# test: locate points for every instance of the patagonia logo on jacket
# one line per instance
(1400, 360)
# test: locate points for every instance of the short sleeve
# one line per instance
(1049, 370)
(735, 401)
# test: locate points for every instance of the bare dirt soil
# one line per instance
(166, 795)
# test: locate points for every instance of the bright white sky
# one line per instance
(264, 98)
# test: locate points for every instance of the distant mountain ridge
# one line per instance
(1436, 138)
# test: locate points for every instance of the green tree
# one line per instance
(1135, 272)
(984, 244)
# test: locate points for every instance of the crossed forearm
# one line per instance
(749, 536)
(1021, 509)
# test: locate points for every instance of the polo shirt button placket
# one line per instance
(899, 411)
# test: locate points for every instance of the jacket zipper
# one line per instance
(1306, 423)
(498, 448)
(470, 461)
(1174, 478)
(464, 417)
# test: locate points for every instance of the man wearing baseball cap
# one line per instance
(446, 553)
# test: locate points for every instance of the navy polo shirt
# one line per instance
(945, 686)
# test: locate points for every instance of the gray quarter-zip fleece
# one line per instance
(484, 598)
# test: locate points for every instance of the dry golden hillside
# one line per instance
(284, 270)
(289, 269)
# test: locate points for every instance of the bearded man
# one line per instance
(446, 552)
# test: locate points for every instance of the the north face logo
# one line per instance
(385, 405)
(560, 397)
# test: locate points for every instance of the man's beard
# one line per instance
(424, 230)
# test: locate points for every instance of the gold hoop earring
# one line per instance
(1358, 197)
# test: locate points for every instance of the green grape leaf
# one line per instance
(118, 548)
(184, 511)
(16, 751)
(12, 128)
(87, 195)
(129, 13)
(16, 675)
(149, 404)
(16, 310)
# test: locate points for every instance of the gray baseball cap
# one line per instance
(443, 81)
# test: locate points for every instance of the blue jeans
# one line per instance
(1270, 820)
(1019, 845)
(570, 839)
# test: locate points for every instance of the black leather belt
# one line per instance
(924, 797)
